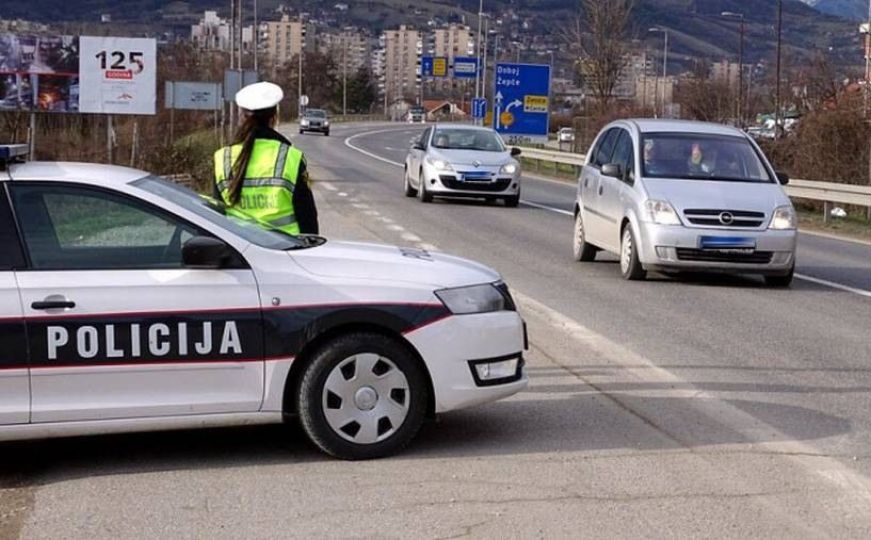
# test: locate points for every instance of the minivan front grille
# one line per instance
(736, 256)
(725, 218)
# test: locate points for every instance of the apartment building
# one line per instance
(453, 41)
(212, 33)
(350, 48)
(284, 39)
(400, 73)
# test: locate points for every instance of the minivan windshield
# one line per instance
(214, 211)
(693, 156)
(467, 139)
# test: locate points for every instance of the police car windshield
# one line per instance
(214, 212)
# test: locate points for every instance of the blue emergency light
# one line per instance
(9, 152)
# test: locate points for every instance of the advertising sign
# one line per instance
(237, 79)
(118, 75)
(68, 74)
(193, 96)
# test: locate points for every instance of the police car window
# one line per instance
(213, 211)
(67, 227)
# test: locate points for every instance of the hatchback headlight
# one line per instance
(784, 219)
(439, 164)
(326, 123)
(484, 298)
(508, 168)
(303, 122)
(662, 213)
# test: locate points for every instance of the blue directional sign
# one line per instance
(426, 66)
(465, 68)
(479, 108)
(522, 101)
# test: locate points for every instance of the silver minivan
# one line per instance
(673, 196)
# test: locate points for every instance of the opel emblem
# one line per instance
(726, 218)
(476, 164)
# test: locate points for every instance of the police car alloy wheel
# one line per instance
(581, 250)
(362, 396)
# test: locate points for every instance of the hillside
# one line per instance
(697, 28)
(849, 9)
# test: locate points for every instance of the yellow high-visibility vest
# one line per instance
(270, 180)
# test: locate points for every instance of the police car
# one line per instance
(130, 303)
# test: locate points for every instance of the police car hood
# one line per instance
(392, 263)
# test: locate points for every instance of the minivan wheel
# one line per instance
(781, 282)
(630, 266)
(581, 249)
(363, 396)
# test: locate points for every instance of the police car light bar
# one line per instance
(9, 152)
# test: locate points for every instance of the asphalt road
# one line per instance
(699, 407)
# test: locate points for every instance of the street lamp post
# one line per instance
(478, 47)
(740, 113)
(664, 63)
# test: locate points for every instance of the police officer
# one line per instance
(262, 176)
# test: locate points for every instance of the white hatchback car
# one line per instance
(684, 196)
(129, 303)
(462, 161)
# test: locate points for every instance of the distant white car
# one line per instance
(566, 135)
(462, 161)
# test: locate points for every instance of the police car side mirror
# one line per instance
(205, 252)
(516, 151)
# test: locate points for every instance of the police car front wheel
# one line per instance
(362, 396)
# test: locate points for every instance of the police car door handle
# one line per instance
(601, 189)
(53, 304)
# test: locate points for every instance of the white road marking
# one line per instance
(411, 237)
(397, 228)
(328, 186)
(833, 285)
(428, 247)
(549, 208)
(850, 482)
(342, 194)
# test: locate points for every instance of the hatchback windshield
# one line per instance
(467, 139)
(701, 157)
(214, 212)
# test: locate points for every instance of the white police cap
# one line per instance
(258, 96)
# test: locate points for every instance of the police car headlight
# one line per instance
(475, 299)
(784, 219)
(508, 168)
(439, 164)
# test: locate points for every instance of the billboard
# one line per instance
(193, 96)
(68, 74)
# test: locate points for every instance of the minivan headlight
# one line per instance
(484, 298)
(508, 168)
(439, 164)
(662, 213)
(784, 219)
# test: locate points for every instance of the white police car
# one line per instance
(130, 303)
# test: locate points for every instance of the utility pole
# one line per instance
(256, 38)
(484, 72)
(299, 66)
(664, 66)
(232, 61)
(344, 76)
(777, 106)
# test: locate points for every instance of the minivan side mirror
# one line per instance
(418, 145)
(515, 151)
(783, 178)
(206, 252)
(613, 170)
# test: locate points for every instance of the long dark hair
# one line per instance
(246, 135)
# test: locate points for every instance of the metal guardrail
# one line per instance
(826, 192)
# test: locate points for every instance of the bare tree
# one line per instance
(598, 39)
(704, 98)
